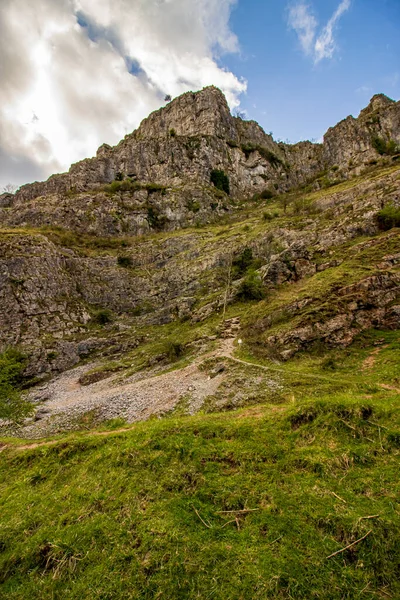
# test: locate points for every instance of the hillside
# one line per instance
(241, 298)
(293, 498)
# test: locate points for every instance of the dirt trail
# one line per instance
(54, 442)
(63, 402)
(370, 361)
(390, 388)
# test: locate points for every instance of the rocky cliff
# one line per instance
(174, 152)
(89, 256)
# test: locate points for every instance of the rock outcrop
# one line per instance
(179, 145)
(71, 248)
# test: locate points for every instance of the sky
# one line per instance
(78, 73)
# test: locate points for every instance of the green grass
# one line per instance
(312, 455)
(12, 405)
(359, 260)
(363, 368)
(138, 514)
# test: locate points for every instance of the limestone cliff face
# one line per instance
(50, 287)
(177, 148)
(350, 144)
(177, 145)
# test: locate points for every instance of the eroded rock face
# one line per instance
(350, 144)
(177, 145)
(49, 290)
(180, 144)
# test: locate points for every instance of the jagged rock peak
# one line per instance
(377, 102)
(181, 144)
(194, 113)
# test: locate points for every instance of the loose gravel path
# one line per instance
(63, 402)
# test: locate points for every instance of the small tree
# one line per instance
(251, 287)
(9, 188)
(221, 180)
(228, 284)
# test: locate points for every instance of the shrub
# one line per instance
(102, 316)
(251, 288)
(388, 217)
(121, 186)
(268, 155)
(173, 350)
(379, 144)
(242, 262)
(392, 147)
(124, 261)
(172, 132)
(12, 406)
(155, 187)
(154, 218)
(193, 206)
(71, 192)
(127, 185)
(220, 180)
(267, 216)
(383, 146)
(298, 207)
(267, 194)
(119, 176)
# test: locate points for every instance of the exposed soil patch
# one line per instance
(391, 388)
(370, 361)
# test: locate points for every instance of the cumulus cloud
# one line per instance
(77, 73)
(316, 45)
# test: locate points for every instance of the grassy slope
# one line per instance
(358, 260)
(135, 514)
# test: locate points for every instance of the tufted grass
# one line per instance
(305, 469)
(138, 513)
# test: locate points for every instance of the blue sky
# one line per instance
(297, 99)
(79, 73)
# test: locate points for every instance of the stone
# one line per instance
(217, 370)
(52, 285)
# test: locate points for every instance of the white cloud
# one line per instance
(325, 44)
(305, 24)
(77, 73)
(364, 89)
(318, 46)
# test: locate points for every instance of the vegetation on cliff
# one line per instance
(248, 293)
